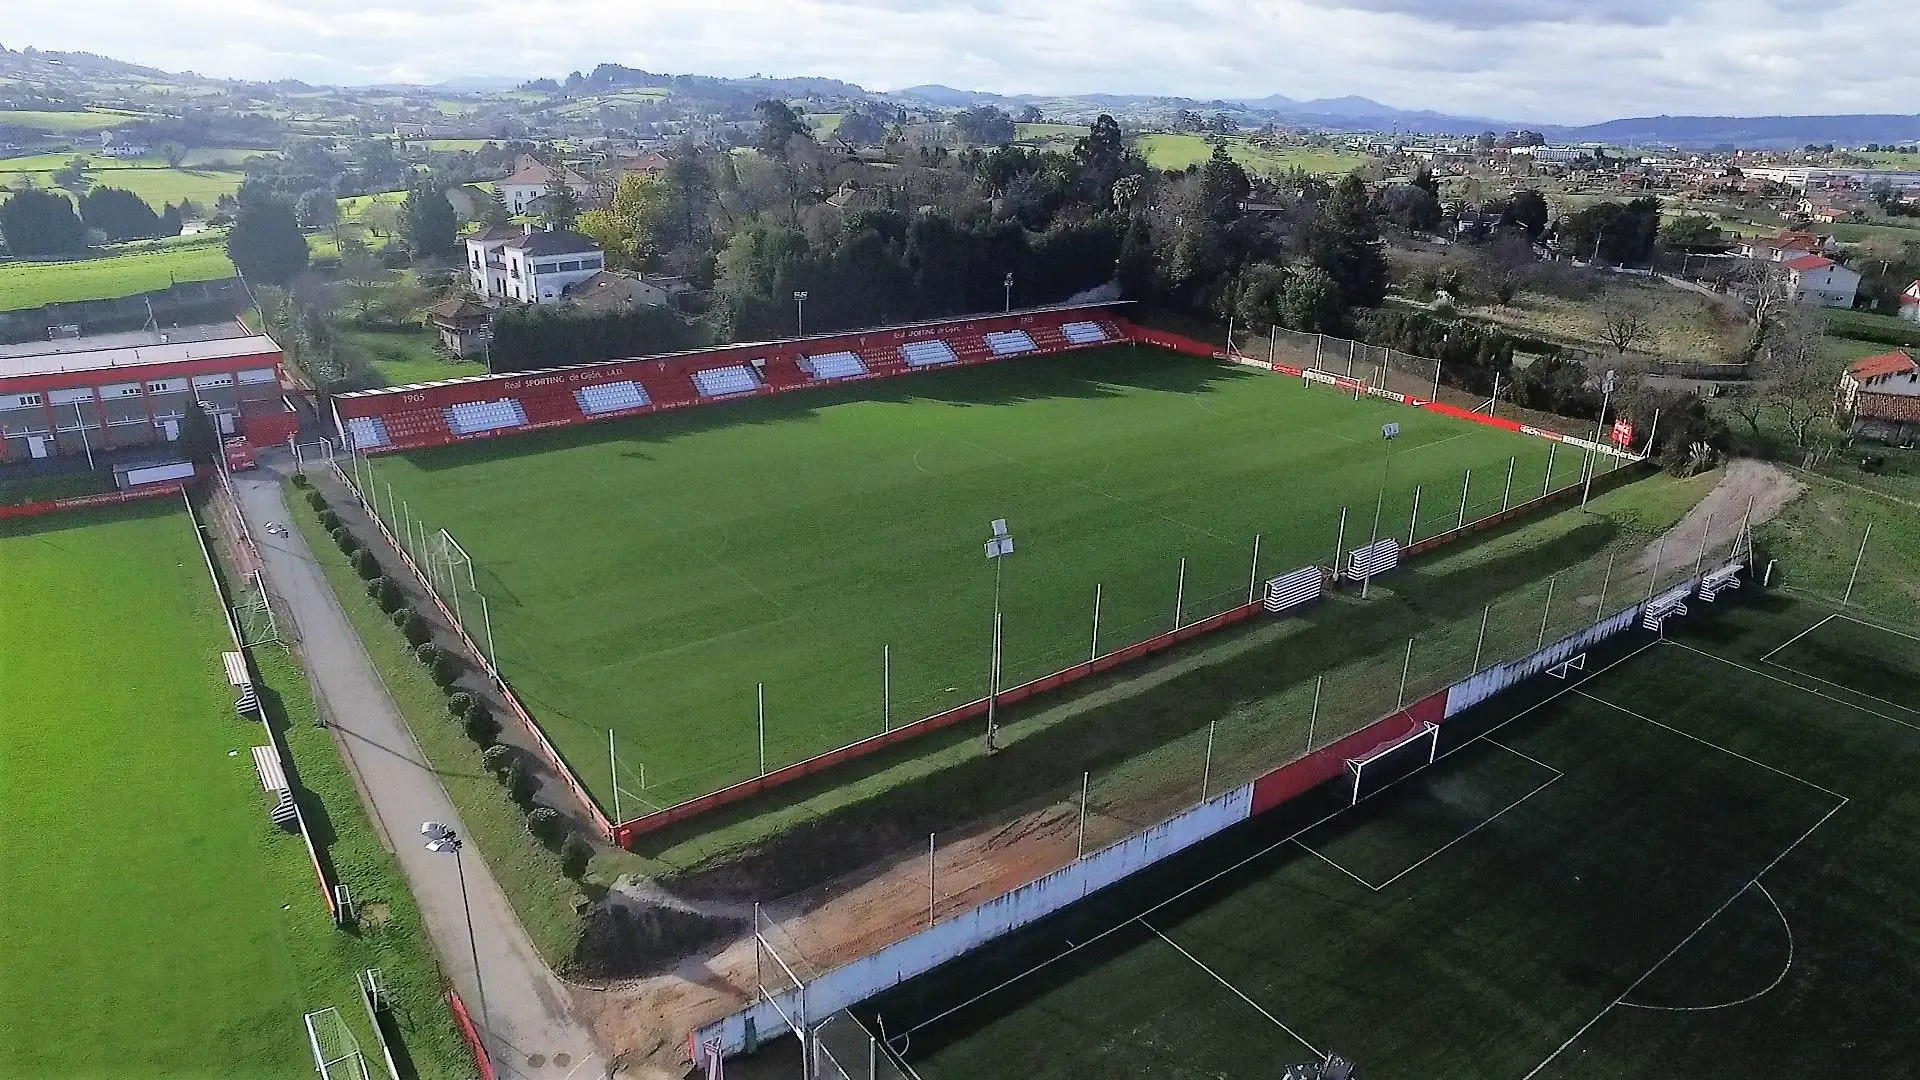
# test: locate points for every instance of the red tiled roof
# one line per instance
(1873, 367)
(1808, 262)
(1871, 406)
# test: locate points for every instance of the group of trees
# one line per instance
(45, 224)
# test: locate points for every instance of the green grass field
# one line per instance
(1693, 863)
(64, 122)
(156, 923)
(1177, 151)
(787, 541)
(153, 182)
(402, 359)
(31, 284)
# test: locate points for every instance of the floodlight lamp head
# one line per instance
(999, 526)
(1607, 382)
(1390, 431)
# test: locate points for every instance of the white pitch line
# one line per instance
(1316, 854)
(1755, 880)
(1755, 996)
(1528, 757)
(1876, 626)
(1800, 635)
(1712, 745)
(1217, 977)
(1808, 689)
(1443, 847)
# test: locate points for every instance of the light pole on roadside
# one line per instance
(442, 839)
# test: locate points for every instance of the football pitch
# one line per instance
(1693, 861)
(155, 923)
(649, 576)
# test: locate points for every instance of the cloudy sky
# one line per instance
(1547, 60)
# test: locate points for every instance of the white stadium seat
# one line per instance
(927, 353)
(720, 382)
(1083, 333)
(839, 365)
(1010, 343)
(611, 397)
(367, 432)
(474, 417)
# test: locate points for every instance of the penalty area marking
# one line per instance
(1437, 852)
(1808, 689)
(1221, 979)
(1756, 995)
(1657, 964)
(1783, 645)
(1710, 744)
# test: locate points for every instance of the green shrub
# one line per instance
(574, 856)
(348, 542)
(375, 588)
(413, 626)
(518, 782)
(367, 563)
(481, 726)
(399, 616)
(329, 520)
(498, 759)
(317, 501)
(427, 653)
(444, 671)
(458, 703)
(300, 480)
(546, 825)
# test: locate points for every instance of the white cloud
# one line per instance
(1547, 60)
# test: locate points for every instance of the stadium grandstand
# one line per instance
(437, 413)
(111, 392)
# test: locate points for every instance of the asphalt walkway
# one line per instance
(530, 1027)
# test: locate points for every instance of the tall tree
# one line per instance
(984, 125)
(266, 244)
(628, 229)
(778, 128)
(497, 212)
(41, 225)
(1528, 209)
(1223, 183)
(1344, 240)
(199, 440)
(1100, 153)
(432, 229)
(317, 209)
(120, 215)
(562, 207)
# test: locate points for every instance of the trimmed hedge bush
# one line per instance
(329, 520)
(459, 702)
(574, 856)
(546, 825)
(427, 653)
(347, 542)
(317, 501)
(413, 626)
(481, 725)
(367, 564)
(300, 480)
(498, 759)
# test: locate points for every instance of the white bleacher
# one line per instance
(474, 417)
(927, 353)
(1010, 343)
(367, 432)
(719, 382)
(839, 365)
(1083, 333)
(611, 397)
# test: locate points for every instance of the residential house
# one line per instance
(119, 144)
(541, 264)
(1910, 303)
(466, 326)
(1829, 207)
(487, 262)
(1879, 397)
(610, 291)
(1821, 282)
(469, 201)
(533, 179)
(1784, 246)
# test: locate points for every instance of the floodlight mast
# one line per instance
(998, 547)
(1606, 395)
(1388, 433)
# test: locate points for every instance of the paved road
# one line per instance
(528, 1020)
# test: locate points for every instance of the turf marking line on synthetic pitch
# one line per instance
(1756, 995)
(1776, 649)
(1430, 856)
(1808, 689)
(1710, 744)
(1221, 979)
(1074, 947)
(1644, 976)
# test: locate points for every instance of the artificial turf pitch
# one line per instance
(645, 575)
(1694, 862)
(154, 922)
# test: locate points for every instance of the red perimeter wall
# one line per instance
(109, 498)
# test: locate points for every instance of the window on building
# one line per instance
(593, 263)
(513, 270)
(29, 400)
(130, 391)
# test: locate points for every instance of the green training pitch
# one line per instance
(156, 924)
(1692, 862)
(645, 575)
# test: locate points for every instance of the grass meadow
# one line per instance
(32, 284)
(645, 575)
(1177, 151)
(157, 923)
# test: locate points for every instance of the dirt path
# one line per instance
(1751, 493)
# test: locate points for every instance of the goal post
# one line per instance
(336, 1052)
(1394, 761)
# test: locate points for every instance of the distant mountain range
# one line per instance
(1354, 113)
